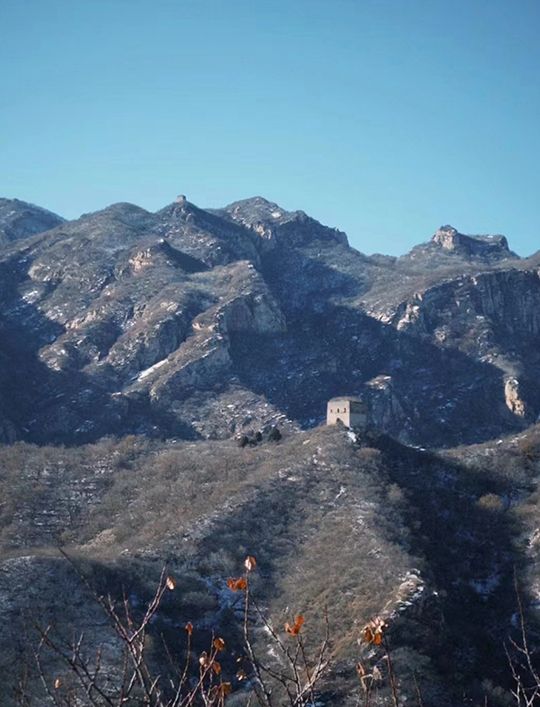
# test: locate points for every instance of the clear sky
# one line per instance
(386, 118)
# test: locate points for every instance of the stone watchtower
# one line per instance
(352, 412)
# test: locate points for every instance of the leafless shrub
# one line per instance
(293, 674)
(491, 502)
(526, 689)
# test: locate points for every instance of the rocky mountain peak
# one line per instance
(205, 234)
(274, 224)
(179, 208)
(258, 210)
(446, 237)
(451, 240)
(19, 219)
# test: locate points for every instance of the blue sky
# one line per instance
(384, 118)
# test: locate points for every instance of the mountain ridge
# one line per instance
(20, 219)
(153, 313)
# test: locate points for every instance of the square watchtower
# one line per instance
(352, 412)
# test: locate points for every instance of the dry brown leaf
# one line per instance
(294, 630)
(373, 631)
(237, 585)
(225, 689)
(219, 644)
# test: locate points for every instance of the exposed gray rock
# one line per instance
(386, 410)
(448, 238)
(513, 398)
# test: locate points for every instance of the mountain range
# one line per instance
(163, 387)
(199, 324)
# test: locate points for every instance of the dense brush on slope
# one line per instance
(325, 502)
(361, 527)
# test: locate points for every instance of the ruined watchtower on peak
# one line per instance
(352, 412)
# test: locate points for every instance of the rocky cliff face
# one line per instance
(189, 322)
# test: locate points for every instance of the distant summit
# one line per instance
(449, 239)
(448, 245)
(257, 209)
(19, 219)
(275, 224)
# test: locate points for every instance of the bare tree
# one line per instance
(87, 679)
(526, 690)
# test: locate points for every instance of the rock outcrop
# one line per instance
(513, 398)
(488, 247)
